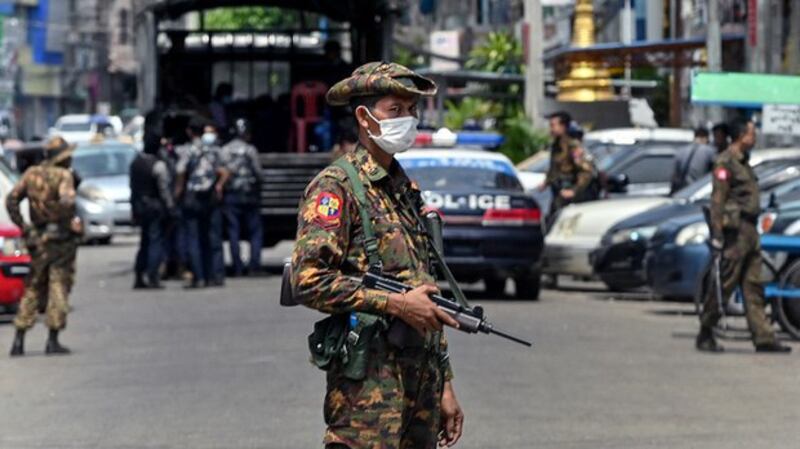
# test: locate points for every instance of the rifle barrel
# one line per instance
(510, 337)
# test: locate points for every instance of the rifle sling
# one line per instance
(371, 243)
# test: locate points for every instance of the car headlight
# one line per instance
(12, 246)
(693, 234)
(92, 194)
(633, 234)
(765, 222)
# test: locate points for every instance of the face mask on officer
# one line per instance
(397, 134)
(209, 138)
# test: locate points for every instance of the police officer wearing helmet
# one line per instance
(201, 177)
(152, 205)
(404, 395)
(242, 196)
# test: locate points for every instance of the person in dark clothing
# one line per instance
(152, 204)
(693, 161)
(242, 195)
(721, 133)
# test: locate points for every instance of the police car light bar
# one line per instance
(446, 138)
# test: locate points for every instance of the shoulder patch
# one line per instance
(721, 173)
(329, 208)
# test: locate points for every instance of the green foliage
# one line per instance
(522, 140)
(250, 18)
(500, 53)
(470, 108)
(405, 57)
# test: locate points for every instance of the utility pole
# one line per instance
(714, 52)
(534, 72)
(627, 38)
(793, 44)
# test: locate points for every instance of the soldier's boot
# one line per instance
(18, 346)
(154, 283)
(774, 347)
(139, 282)
(706, 341)
(53, 346)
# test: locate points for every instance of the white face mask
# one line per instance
(397, 134)
(209, 138)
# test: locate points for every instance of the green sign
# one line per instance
(744, 90)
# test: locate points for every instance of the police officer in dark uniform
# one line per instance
(200, 182)
(153, 205)
(735, 207)
(242, 195)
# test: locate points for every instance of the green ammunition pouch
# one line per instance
(334, 342)
(731, 217)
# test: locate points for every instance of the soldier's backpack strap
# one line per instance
(370, 242)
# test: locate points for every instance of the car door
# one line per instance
(648, 171)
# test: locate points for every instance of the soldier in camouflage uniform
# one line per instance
(406, 400)
(50, 238)
(735, 208)
(242, 196)
(569, 173)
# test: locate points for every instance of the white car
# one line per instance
(82, 128)
(579, 227)
(601, 143)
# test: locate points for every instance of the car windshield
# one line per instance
(461, 173)
(96, 161)
(75, 127)
(770, 174)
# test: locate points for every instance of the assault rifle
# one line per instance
(470, 319)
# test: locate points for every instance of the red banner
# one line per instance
(752, 22)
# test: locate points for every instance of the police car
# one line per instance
(492, 229)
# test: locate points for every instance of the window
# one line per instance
(649, 169)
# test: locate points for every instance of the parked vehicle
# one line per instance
(619, 261)
(677, 253)
(492, 228)
(82, 128)
(14, 267)
(103, 200)
(580, 227)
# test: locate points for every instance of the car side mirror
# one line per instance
(618, 183)
(773, 201)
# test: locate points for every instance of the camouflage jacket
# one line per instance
(329, 248)
(568, 168)
(735, 195)
(51, 193)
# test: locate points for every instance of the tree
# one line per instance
(251, 18)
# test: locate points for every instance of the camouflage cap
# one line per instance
(57, 149)
(380, 78)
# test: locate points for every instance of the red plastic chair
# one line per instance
(308, 99)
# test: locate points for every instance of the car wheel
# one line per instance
(528, 287)
(788, 309)
(495, 287)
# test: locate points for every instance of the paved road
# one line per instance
(227, 368)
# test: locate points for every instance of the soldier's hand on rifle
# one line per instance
(418, 311)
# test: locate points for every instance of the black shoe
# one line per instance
(18, 347)
(706, 342)
(192, 285)
(216, 283)
(139, 283)
(154, 284)
(774, 347)
(54, 347)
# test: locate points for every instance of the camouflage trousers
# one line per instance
(741, 266)
(395, 407)
(49, 281)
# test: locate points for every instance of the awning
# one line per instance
(341, 10)
(744, 90)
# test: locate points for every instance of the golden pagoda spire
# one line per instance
(587, 80)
